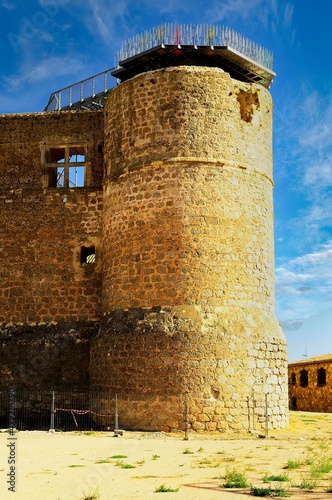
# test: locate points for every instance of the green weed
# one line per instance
(187, 451)
(269, 492)
(165, 489)
(308, 484)
(292, 464)
(280, 478)
(235, 479)
(121, 464)
(91, 495)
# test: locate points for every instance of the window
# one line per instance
(293, 379)
(294, 404)
(303, 378)
(321, 376)
(88, 255)
(66, 166)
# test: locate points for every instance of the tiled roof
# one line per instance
(316, 359)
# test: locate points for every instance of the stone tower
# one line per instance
(188, 252)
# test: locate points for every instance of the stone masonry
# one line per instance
(188, 271)
(178, 206)
(310, 387)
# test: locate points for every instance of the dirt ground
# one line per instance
(91, 465)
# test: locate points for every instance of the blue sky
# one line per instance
(48, 44)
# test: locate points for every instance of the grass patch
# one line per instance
(165, 489)
(308, 484)
(269, 492)
(155, 457)
(147, 476)
(292, 464)
(119, 456)
(235, 479)
(123, 465)
(281, 478)
(74, 465)
(187, 451)
(91, 495)
(207, 463)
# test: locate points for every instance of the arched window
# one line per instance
(293, 379)
(303, 378)
(321, 376)
(294, 404)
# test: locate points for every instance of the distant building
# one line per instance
(310, 384)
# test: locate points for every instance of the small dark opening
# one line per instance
(293, 379)
(303, 378)
(294, 404)
(321, 376)
(88, 255)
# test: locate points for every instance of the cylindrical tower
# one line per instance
(188, 258)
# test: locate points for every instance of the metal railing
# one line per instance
(67, 411)
(194, 35)
(164, 34)
(96, 85)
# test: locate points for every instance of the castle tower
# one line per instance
(188, 258)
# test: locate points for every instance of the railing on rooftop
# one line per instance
(80, 91)
(195, 35)
(164, 34)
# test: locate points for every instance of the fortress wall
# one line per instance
(42, 279)
(188, 270)
(48, 300)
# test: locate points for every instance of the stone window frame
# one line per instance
(321, 377)
(304, 378)
(66, 150)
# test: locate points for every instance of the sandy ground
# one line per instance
(75, 466)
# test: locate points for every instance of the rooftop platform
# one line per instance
(226, 58)
(171, 45)
(199, 45)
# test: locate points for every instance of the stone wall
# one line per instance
(188, 266)
(315, 395)
(42, 279)
(43, 284)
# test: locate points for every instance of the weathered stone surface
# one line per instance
(316, 394)
(188, 271)
(180, 299)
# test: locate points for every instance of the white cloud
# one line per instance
(273, 15)
(304, 285)
(62, 65)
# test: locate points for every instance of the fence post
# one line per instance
(266, 417)
(52, 413)
(116, 422)
(186, 434)
(248, 405)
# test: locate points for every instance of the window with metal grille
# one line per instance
(66, 166)
(321, 376)
(304, 378)
(88, 255)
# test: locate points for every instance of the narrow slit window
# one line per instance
(88, 255)
(293, 378)
(304, 380)
(321, 376)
